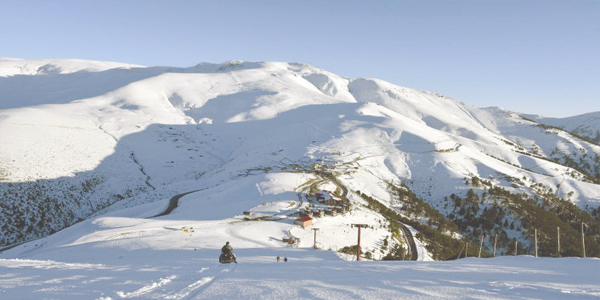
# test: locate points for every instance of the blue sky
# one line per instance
(538, 57)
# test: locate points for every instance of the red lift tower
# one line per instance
(358, 249)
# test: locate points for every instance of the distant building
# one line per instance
(318, 213)
(304, 221)
(319, 197)
(334, 202)
(346, 207)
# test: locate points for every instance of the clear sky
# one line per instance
(539, 57)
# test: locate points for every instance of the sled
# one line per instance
(227, 258)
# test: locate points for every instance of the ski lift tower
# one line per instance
(359, 227)
(315, 244)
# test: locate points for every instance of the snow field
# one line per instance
(231, 136)
(308, 274)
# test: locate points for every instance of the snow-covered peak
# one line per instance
(257, 137)
(13, 66)
(586, 125)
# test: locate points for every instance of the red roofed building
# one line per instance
(304, 221)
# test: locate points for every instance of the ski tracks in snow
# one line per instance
(218, 272)
(147, 288)
(163, 289)
(192, 288)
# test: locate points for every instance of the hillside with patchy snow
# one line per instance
(427, 173)
(587, 125)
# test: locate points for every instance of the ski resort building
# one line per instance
(304, 221)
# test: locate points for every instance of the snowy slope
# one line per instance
(95, 137)
(110, 147)
(104, 272)
(122, 255)
(16, 67)
(586, 125)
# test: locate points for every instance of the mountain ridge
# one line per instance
(586, 125)
(117, 138)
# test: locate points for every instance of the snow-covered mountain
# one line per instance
(587, 125)
(81, 139)
(165, 164)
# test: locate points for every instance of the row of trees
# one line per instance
(588, 165)
(436, 231)
(513, 218)
(502, 219)
(31, 210)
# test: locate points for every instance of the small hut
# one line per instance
(304, 221)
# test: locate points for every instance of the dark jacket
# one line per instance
(227, 249)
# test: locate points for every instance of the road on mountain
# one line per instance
(410, 240)
(173, 203)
